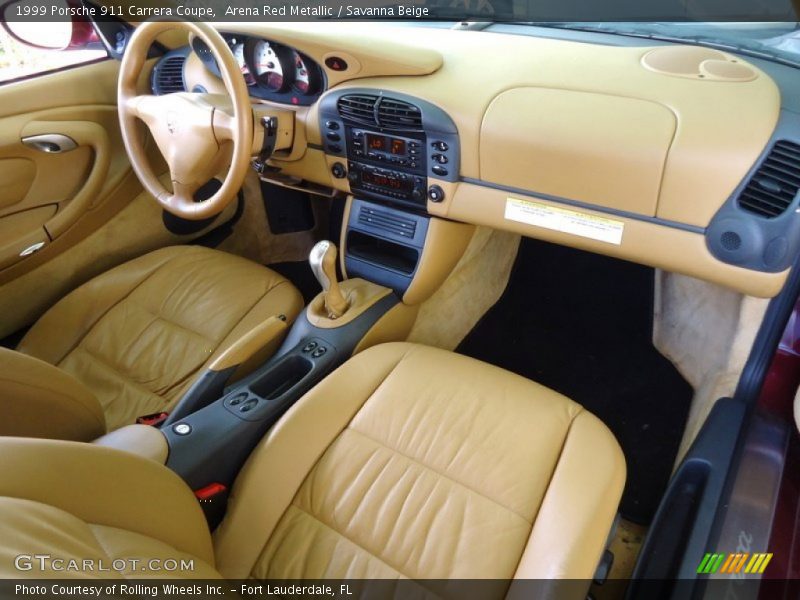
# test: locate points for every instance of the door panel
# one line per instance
(71, 180)
(85, 205)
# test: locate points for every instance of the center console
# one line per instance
(393, 153)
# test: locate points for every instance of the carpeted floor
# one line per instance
(581, 324)
(300, 274)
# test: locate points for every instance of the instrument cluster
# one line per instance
(271, 70)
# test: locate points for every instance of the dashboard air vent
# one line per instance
(396, 114)
(387, 221)
(775, 184)
(358, 107)
(168, 76)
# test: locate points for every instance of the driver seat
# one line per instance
(134, 339)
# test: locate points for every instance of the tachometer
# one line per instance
(307, 79)
(238, 54)
(273, 65)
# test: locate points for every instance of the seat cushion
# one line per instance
(414, 462)
(138, 335)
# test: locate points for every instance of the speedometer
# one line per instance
(273, 65)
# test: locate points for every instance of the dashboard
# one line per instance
(632, 151)
(272, 71)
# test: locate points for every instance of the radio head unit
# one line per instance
(391, 184)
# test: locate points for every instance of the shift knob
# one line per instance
(323, 264)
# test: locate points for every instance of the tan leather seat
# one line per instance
(406, 462)
(138, 335)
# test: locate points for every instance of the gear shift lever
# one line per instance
(323, 264)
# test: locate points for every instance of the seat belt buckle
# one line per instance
(154, 419)
(213, 500)
(209, 492)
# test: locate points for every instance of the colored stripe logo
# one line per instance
(734, 563)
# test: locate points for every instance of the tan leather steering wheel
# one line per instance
(194, 132)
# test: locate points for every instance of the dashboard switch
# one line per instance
(335, 63)
(440, 146)
(435, 193)
(332, 125)
(338, 170)
(439, 170)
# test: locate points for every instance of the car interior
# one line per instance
(363, 300)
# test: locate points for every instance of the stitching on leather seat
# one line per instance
(89, 329)
(111, 368)
(260, 553)
(357, 545)
(439, 473)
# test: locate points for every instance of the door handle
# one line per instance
(52, 143)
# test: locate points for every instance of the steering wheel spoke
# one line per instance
(142, 107)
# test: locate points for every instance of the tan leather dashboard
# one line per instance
(652, 140)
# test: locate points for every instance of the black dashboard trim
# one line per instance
(579, 204)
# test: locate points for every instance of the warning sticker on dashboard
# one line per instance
(564, 220)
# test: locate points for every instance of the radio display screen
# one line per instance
(389, 183)
(382, 143)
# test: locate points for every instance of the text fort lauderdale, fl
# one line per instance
(322, 10)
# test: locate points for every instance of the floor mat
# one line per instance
(581, 323)
(300, 274)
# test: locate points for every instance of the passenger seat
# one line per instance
(406, 462)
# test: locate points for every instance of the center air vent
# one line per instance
(168, 75)
(358, 107)
(396, 114)
(384, 112)
(775, 184)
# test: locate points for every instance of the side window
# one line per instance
(60, 44)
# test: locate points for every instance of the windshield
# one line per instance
(773, 41)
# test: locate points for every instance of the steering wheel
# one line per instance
(194, 132)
